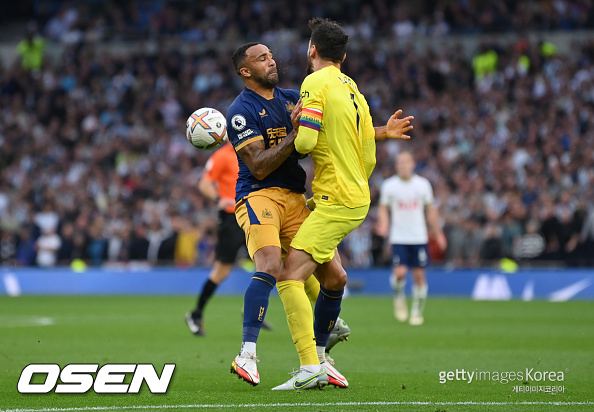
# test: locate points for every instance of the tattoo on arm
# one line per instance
(261, 161)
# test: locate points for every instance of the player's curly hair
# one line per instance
(329, 38)
(239, 55)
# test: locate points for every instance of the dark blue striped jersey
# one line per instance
(251, 117)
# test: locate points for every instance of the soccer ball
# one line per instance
(206, 128)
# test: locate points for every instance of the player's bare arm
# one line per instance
(395, 128)
(432, 217)
(262, 161)
(208, 188)
(383, 221)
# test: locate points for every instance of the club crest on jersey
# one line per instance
(290, 106)
(267, 214)
(238, 122)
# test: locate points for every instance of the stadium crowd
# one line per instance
(94, 163)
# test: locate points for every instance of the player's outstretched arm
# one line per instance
(262, 161)
(395, 128)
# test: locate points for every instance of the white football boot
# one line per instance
(246, 368)
(335, 378)
(304, 379)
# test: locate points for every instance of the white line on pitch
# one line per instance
(7, 321)
(303, 404)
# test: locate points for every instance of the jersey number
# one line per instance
(357, 110)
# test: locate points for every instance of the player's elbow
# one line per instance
(205, 186)
(261, 170)
(260, 174)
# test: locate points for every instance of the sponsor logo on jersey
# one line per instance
(245, 134)
(275, 135)
(408, 205)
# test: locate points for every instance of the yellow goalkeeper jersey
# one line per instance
(336, 127)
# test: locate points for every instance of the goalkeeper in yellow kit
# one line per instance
(337, 129)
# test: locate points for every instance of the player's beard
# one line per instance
(269, 80)
(310, 69)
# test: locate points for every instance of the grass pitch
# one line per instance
(389, 365)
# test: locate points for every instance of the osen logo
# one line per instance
(78, 378)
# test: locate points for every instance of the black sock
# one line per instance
(207, 291)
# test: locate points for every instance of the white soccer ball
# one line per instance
(206, 128)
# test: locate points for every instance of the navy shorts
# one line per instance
(413, 256)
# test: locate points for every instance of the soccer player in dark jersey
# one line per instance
(218, 184)
(271, 205)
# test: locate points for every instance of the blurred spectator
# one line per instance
(531, 244)
(60, 24)
(31, 49)
(47, 246)
(25, 254)
(139, 244)
(8, 247)
(80, 242)
(586, 240)
(356, 249)
(47, 218)
(206, 248)
(492, 247)
(186, 247)
(118, 242)
(67, 245)
(511, 229)
(550, 230)
(97, 245)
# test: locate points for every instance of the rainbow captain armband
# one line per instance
(311, 118)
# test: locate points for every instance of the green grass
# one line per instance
(384, 361)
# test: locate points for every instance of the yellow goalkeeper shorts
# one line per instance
(325, 228)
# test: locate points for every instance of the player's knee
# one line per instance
(268, 260)
(337, 281)
(272, 267)
(400, 271)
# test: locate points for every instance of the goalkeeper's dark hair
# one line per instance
(239, 55)
(329, 38)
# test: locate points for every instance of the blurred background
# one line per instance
(94, 96)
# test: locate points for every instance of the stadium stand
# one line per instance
(92, 133)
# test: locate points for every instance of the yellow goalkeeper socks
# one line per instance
(312, 289)
(300, 320)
